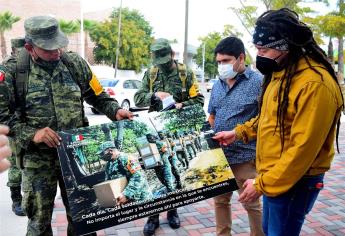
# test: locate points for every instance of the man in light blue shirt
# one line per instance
(234, 100)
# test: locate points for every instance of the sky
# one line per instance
(167, 17)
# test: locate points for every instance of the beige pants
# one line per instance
(242, 172)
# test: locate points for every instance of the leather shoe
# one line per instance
(151, 225)
(173, 219)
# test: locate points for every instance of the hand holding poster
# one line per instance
(126, 170)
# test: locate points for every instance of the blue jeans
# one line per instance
(285, 214)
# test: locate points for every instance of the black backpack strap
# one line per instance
(21, 80)
(67, 61)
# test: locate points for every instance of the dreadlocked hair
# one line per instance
(301, 45)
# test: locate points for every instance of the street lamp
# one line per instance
(82, 46)
(203, 62)
(118, 40)
(185, 53)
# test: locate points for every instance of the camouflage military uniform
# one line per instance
(137, 188)
(170, 83)
(174, 163)
(14, 173)
(164, 172)
(53, 99)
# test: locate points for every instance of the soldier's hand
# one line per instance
(122, 114)
(121, 199)
(178, 105)
(47, 136)
(5, 150)
(162, 95)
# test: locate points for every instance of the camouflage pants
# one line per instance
(184, 155)
(14, 174)
(164, 174)
(40, 186)
(190, 151)
(174, 167)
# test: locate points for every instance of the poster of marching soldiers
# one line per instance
(121, 171)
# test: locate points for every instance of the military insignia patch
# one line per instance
(133, 165)
(96, 85)
(194, 90)
(2, 76)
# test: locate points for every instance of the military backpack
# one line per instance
(20, 89)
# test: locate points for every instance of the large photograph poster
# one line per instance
(122, 171)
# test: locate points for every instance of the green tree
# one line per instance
(6, 22)
(89, 26)
(333, 26)
(134, 44)
(69, 27)
(210, 41)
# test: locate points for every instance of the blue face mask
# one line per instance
(226, 71)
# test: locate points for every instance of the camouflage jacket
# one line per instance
(137, 187)
(171, 84)
(52, 100)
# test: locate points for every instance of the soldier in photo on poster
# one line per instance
(120, 165)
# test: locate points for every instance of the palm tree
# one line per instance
(6, 22)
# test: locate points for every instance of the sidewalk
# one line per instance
(326, 218)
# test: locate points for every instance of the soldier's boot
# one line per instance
(178, 181)
(173, 219)
(16, 197)
(151, 225)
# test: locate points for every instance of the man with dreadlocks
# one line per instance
(298, 120)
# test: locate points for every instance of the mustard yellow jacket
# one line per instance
(313, 111)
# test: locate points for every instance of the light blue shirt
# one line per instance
(236, 105)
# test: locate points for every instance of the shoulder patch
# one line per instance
(133, 165)
(96, 85)
(2, 76)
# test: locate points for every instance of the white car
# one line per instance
(121, 89)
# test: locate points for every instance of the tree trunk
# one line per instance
(330, 51)
(3, 45)
(341, 59)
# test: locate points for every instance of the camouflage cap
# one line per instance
(44, 32)
(161, 51)
(17, 42)
(104, 146)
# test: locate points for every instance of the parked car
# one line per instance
(209, 84)
(122, 90)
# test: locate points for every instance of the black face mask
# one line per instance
(166, 67)
(48, 65)
(267, 65)
(107, 157)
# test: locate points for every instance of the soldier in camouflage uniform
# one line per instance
(184, 150)
(166, 78)
(53, 102)
(14, 173)
(164, 172)
(118, 165)
(174, 163)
